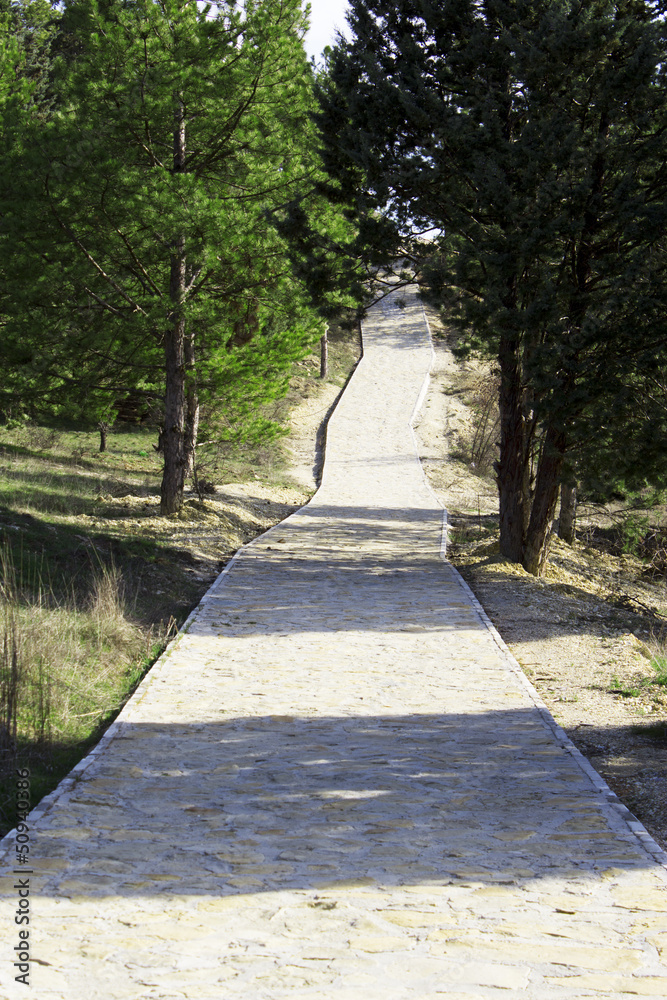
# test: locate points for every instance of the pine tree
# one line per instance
(145, 201)
(531, 137)
(27, 29)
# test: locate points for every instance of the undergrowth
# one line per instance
(66, 667)
(658, 679)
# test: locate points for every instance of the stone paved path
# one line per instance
(337, 784)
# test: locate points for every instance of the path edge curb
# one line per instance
(636, 829)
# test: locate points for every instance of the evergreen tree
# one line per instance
(531, 138)
(26, 32)
(144, 205)
(27, 28)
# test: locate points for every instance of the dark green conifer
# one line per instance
(141, 209)
(529, 139)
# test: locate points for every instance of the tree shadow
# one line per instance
(270, 803)
(580, 611)
(112, 475)
(338, 566)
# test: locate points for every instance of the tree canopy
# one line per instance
(528, 139)
(140, 208)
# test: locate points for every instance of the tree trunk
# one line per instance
(173, 477)
(159, 447)
(191, 430)
(324, 353)
(191, 408)
(103, 428)
(511, 467)
(567, 525)
(536, 548)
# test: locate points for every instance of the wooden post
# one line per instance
(324, 352)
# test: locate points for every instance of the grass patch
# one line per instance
(659, 664)
(66, 669)
(83, 611)
(659, 679)
(626, 690)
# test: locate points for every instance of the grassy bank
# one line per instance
(80, 617)
(93, 580)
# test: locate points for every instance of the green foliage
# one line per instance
(633, 529)
(145, 204)
(623, 455)
(529, 140)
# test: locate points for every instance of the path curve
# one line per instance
(337, 784)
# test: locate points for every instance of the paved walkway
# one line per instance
(337, 784)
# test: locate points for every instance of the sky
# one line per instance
(325, 17)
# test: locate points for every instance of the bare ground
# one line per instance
(585, 634)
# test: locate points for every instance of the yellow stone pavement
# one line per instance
(337, 784)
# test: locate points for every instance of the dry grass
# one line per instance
(60, 662)
(64, 669)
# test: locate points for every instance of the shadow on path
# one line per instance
(269, 803)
